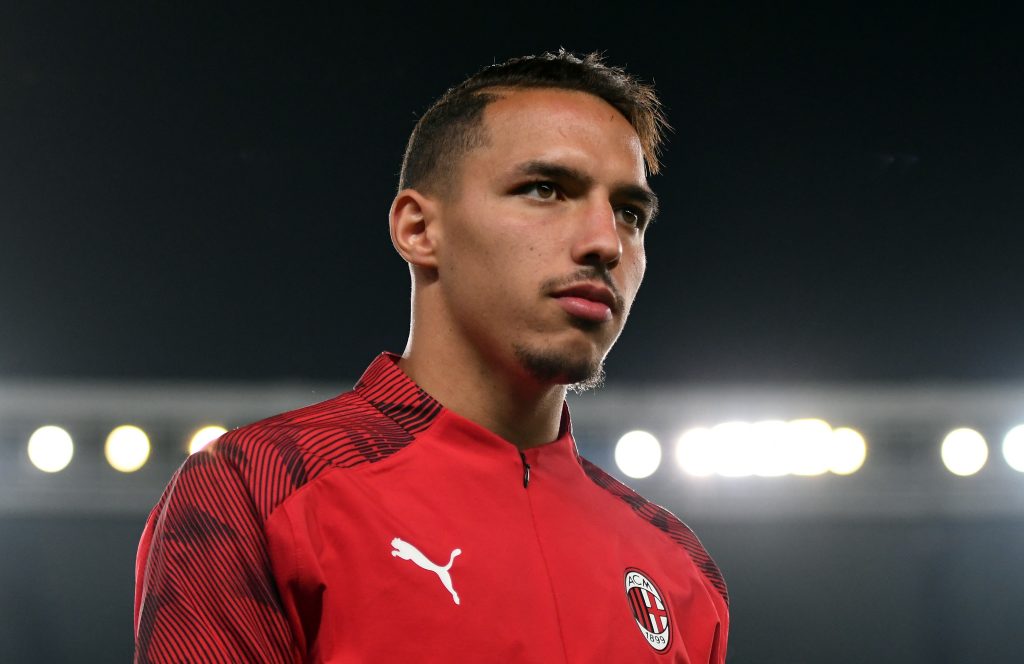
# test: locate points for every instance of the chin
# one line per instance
(580, 371)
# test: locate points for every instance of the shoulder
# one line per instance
(662, 519)
(276, 456)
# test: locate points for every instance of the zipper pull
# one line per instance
(526, 471)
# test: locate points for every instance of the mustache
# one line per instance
(586, 274)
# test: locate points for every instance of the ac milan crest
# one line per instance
(650, 609)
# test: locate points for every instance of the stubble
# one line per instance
(579, 375)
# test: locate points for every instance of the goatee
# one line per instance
(550, 367)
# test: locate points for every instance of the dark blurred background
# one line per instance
(196, 197)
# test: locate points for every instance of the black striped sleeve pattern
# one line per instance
(208, 594)
(205, 581)
(665, 521)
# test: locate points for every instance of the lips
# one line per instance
(587, 301)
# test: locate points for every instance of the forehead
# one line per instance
(565, 125)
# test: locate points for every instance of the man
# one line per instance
(440, 512)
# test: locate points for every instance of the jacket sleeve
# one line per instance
(204, 589)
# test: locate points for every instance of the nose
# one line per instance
(597, 239)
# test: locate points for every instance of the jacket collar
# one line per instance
(391, 391)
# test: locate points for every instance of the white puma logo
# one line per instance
(407, 551)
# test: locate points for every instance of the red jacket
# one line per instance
(380, 527)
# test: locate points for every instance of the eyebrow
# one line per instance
(554, 171)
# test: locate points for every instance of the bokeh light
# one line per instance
(770, 448)
(127, 448)
(964, 451)
(695, 450)
(848, 451)
(1013, 448)
(50, 449)
(638, 454)
(733, 450)
(811, 442)
(772, 453)
(204, 437)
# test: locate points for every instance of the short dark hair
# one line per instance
(453, 125)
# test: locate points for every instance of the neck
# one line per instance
(503, 399)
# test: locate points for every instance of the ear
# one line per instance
(413, 231)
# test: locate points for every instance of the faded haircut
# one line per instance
(453, 125)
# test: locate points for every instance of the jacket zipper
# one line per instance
(526, 471)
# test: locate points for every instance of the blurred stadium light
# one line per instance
(770, 448)
(1013, 448)
(964, 451)
(743, 452)
(849, 450)
(127, 448)
(638, 454)
(204, 437)
(50, 449)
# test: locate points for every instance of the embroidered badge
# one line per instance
(650, 609)
(406, 551)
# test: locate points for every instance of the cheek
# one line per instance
(634, 270)
(486, 260)
(468, 246)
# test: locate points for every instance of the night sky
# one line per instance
(199, 192)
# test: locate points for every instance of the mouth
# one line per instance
(592, 302)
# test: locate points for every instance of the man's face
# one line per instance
(542, 247)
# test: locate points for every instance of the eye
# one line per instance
(545, 191)
(631, 216)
